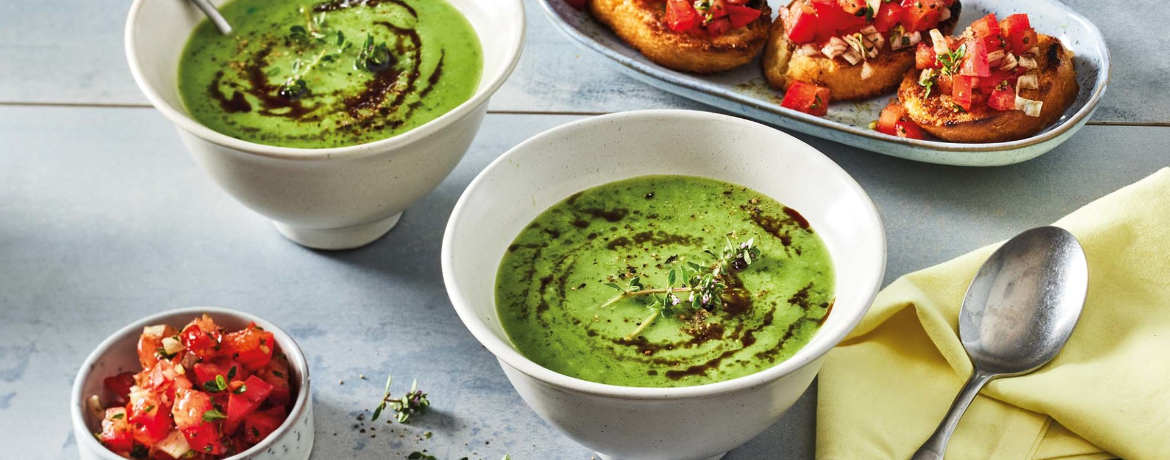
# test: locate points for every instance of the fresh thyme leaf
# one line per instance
(298, 34)
(216, 385)
(615, 286)
(294, 89)
(231, 373)
(213, 415)
(340, 38)
(952, 59)
(413, 402)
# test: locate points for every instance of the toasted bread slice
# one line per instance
(640, 24)
(783, 65)
(936, 114)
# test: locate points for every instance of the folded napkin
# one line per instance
(1107, 394)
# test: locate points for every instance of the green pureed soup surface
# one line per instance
(555, 280)
(313, 74)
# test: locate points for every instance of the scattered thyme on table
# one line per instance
(704, 284)
(413, 402)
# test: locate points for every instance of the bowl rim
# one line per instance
(296, 356)
(515, 42)
(507, 353)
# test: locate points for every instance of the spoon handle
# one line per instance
(936, 445)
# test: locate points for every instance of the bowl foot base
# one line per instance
(334, 239)
(606, 457)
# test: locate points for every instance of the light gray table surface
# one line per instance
(105, 219)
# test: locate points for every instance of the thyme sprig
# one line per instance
(703, 285)
(952, 59)
(413, 402)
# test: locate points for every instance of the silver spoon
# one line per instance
(1018, 313)
(213, 14)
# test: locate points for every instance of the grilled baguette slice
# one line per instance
(783, 65)
(640, 23)
(936, 114)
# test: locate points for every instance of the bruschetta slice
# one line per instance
(858, 49)
(703, 37)
(998, 82)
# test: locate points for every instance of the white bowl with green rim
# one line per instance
(685, 423)
(330, 198)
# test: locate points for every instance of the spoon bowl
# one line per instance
(1018, 313)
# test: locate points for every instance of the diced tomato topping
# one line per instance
(198, 341)
(259, 425)
(192, 413)
(150, 347)
(925, 57)
(251, 346)
(119, 385)
(831, 19)
(852, 6)
(741, 15)
(1018, 32)
(921, 15)
(719, 27)
(116, 431)
(1002, 99)
(807, 98)
(245, 398)
(962, 91)
(206, 371)
(276, 374)
(151, 417)
(578, 4)
(888, 15)
(890, 117)
(909, 130)
(801, 23)
(681, 15)
(975, 64)
(986, 26)
(945, 84)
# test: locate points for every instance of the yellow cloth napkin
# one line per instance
(1107, 394)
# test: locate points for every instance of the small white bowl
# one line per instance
(688, 423)
(334, 198)
(293, 440)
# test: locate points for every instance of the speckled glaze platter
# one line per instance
(744, 91)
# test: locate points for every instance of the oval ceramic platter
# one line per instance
(744, 91)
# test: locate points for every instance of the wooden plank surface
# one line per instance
(70, 52)
(105, 219)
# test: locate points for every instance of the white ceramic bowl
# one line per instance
(696, 422)
(293, 440)
(335, 198)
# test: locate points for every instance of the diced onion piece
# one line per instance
(834, 47)
(852, 56)
(995, 55)
(1009, 62)
(944, 14)
(809, 49)
(877, 40)
(1028, 63)
(172, 345)
(1029, 107)
(868, 30)
(866, 70)
(915, 38)
(155, 330)
(1033, 50)
(925, 77)
(175, 444)
(94, 405)
(940, 42)
(179, 369)
(1027, 82)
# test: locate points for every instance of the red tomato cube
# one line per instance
(801, 23)
(851, 6)
(975, 64)
(909, 130)
(889, 118)
(986, 26)
(1018, 32)
(251, 346)
(681, 15)
(962, 91)
(259, 425)
(741, 15)
(921, 15)
(887, 17)
(150, 347)
(254, 392)
(719, 27)
(116, 431)
(807, 98)
(151, 417)
(119, 385)
(1002, 99)
(276, 374)
(925, 57)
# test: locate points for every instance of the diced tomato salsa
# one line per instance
(893, 121)
(202, 393)
(807, 98)
(816, 21)
(983, 66)
(710, 17)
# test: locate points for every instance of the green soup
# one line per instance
(581, 291)
(312, 74)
